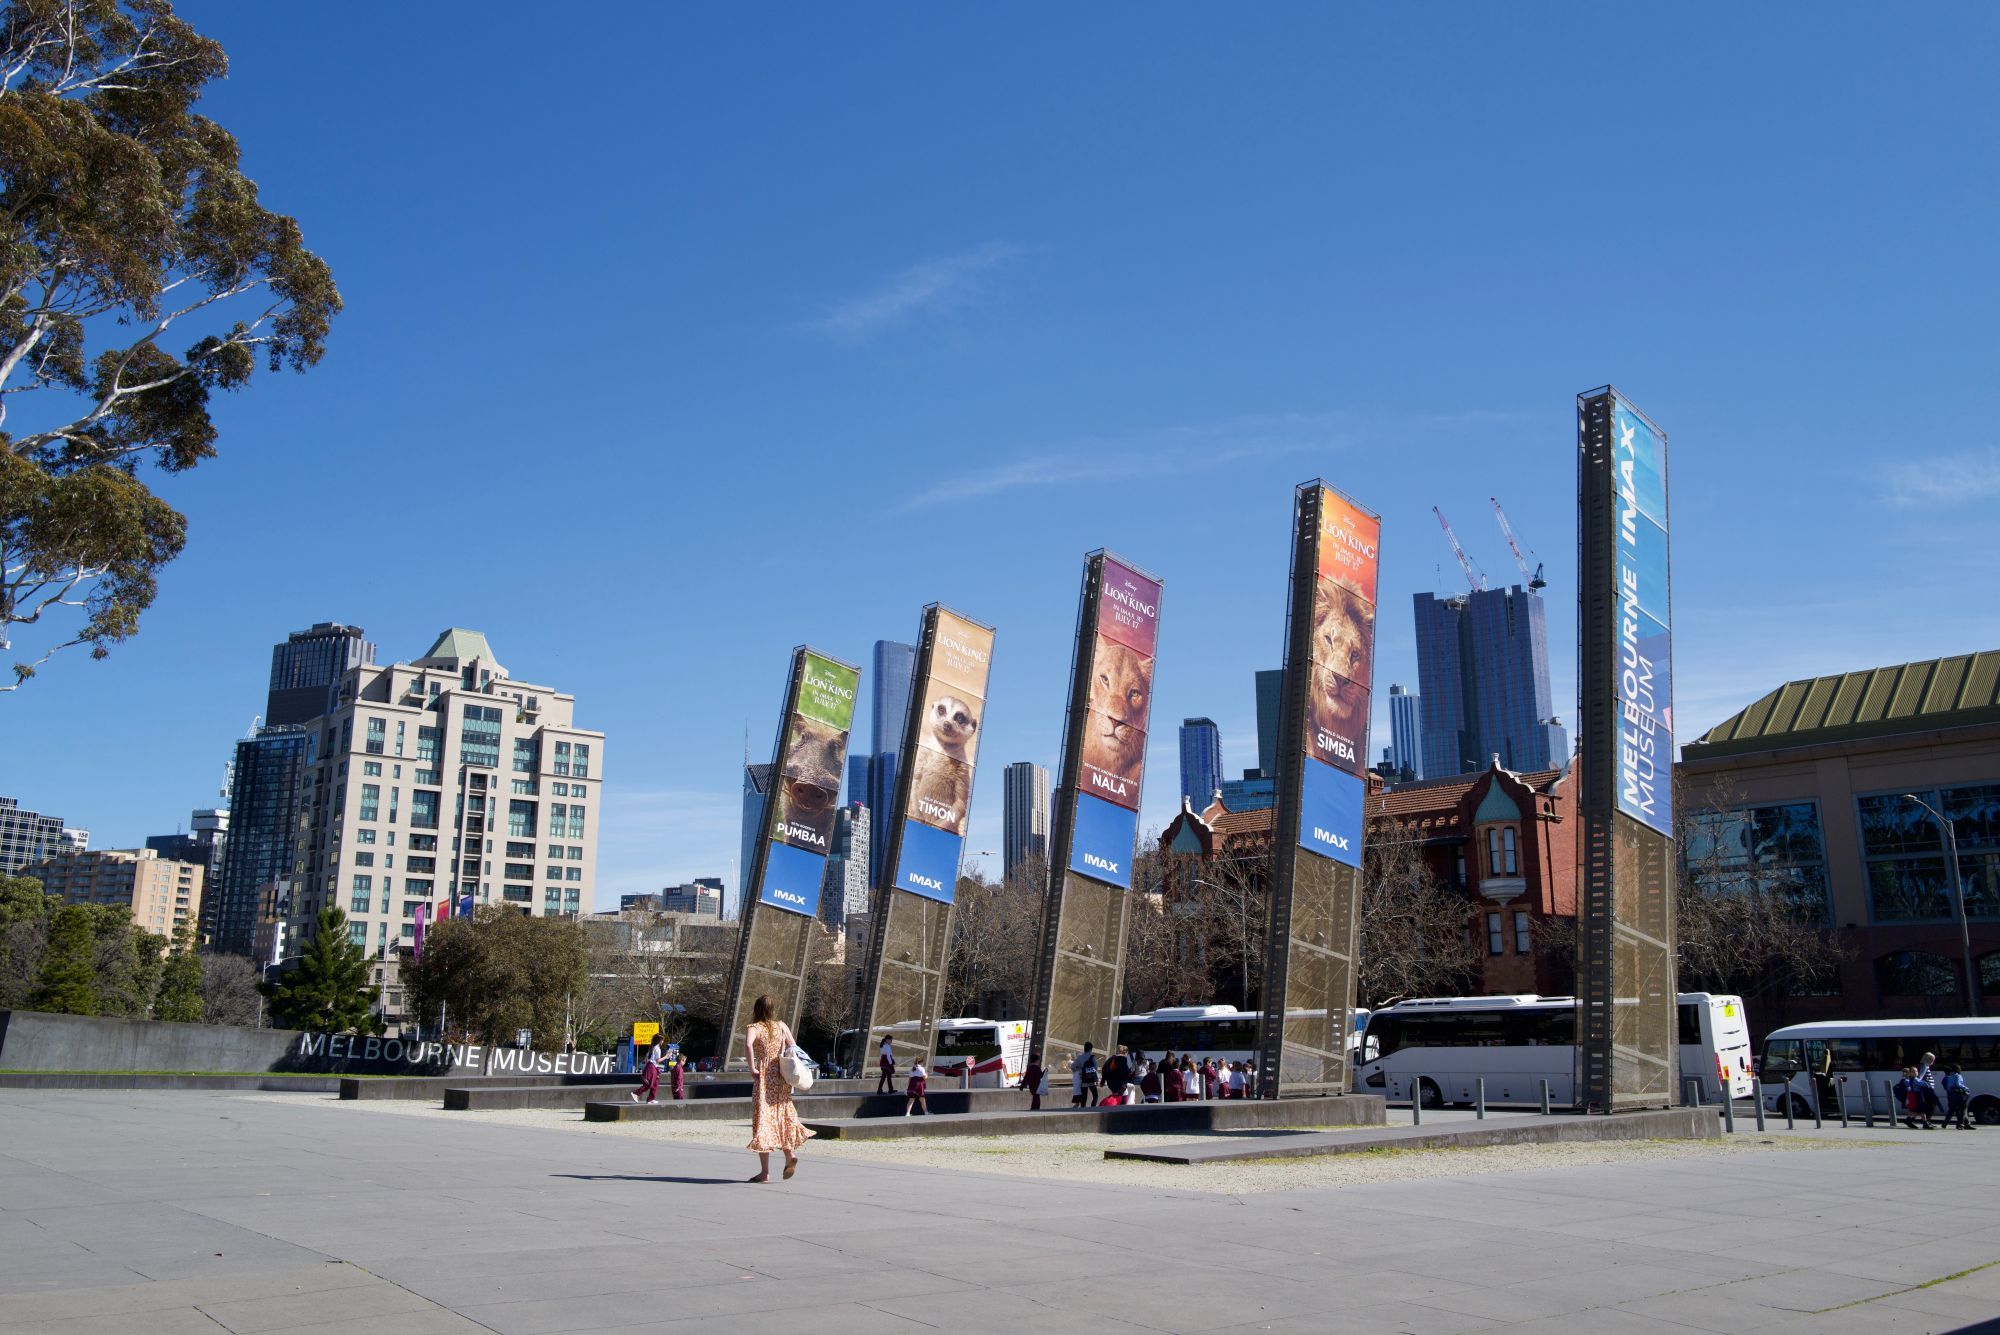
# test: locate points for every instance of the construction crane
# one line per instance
(1535, 580)
(1472, 575)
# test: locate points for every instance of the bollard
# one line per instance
(1868, 1105)
(1817, 1123)
(1545, 1098)
(1757, 1096)
(1690, 1093)
(1416, 1101)
(1790, 1123)
(1479, 1099)
(1889, 1089)
(1729, 1116)
(1843, 1103)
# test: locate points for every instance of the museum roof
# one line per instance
(1875, 702)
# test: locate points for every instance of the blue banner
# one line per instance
(1645, 694)
(1330, 813)
(928, 862)
(1639, 461)
(792, 879)
(1101, 845)
(1640, 564)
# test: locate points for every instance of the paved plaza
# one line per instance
(199, 1212)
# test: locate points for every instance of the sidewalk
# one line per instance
(191, 1212)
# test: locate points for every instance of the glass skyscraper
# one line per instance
(1406, 752)
(1483, 673)
(263, 847)
(1024, 815)
(305, 668)
(895, 665)
(1201, 761)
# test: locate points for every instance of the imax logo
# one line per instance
(789, 898)
(927, 882)
(1338, 841)
(1102, 864)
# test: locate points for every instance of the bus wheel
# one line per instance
(1986, 1110)
(1432, 1096)
(1801, 1110)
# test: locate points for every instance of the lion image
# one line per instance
(1121, 694)
(1342, 640)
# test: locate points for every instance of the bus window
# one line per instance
(1847, 1054)
(1781, 1059)
(1690, 1024)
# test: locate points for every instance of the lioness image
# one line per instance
(1114, 734)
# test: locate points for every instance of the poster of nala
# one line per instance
(1118, 714)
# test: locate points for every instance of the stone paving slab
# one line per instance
(1533, 1129)
(136, 1211)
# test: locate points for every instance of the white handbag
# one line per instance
(796, 1068)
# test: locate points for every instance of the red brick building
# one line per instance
(1506, 842)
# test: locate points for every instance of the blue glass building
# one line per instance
(895, 664)
(1483, 673)
(1201, 761)
(1406, 751)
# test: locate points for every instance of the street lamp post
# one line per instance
(1242, 935)
(1958, 897)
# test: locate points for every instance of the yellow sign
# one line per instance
(644, 1033)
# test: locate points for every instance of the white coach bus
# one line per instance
(1440, 1045)
(1855, 1060)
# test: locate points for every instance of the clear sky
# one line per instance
(682, 335)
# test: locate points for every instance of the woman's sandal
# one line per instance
(791, 1168)
(761, 1177)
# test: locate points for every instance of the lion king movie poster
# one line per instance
(1349, 541)
(1343, 652)
(808, 789)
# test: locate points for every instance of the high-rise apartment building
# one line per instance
(843, 891)
(163, 894)
(307, 666)
(446, 779)
(1201, 761)
(895, 664)
(1024, 815)
(29, 836)
(1270, 709)
(1406, 751)
(1483, 673)
(263, 849)
(204, 843)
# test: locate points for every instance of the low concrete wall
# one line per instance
(35, 1041)
(1146, 1119)
(292, 1084)
(1663, 1124)
(878, 1107)
(440, 1086)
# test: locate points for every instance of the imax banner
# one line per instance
(951, 704)
(1644, 682)
(1340, 678)
(805, 792)
(1111, 760)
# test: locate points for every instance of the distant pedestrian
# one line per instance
(886, 1063)
(1236, 1080)
(1173, 1087)
(649, 1076)
(1208, 1079)
(1152, 1088)
(1036, 1082)
(1075, 1082)
(914, 1089)
(680, 1077)
(1957, 1098)
(1909, 1093)
(1088, 1073)
(774, 1121)
(1118, 1073)
(1190, 1080)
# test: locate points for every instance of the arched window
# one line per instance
(1916, 973)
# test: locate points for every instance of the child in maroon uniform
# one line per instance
(913, 1090)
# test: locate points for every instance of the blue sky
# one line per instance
(678, 342)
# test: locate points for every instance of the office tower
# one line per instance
(857, 778)
(445, 781)
(756, 782)
(163, 893)
(895, 664)
(1405, 754)
(843, 891)
(1270, 706)
(29, 836)
(263, 847)
(1483, 673)
(1201, 761)
(1025, 815)
(701, 897)
(305, 668)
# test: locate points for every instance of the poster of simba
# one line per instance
(1343, 650)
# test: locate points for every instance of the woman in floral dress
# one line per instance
(774, 1121)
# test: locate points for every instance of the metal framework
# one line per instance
(909, 940)
(1625, 930)
(1080, 974)
(774, 946)
(1310, 947)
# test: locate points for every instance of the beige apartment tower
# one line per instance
(162, 894)
(440, 780)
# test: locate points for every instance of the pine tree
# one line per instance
(66, 982)
(329, 990)
(180, 982)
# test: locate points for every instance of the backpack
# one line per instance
(1090, 1071)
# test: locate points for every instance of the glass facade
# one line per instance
(1201, 761)
(1483, 674)
(479, 736)
(1904, 853)
(263, 833)
(1774, 850)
